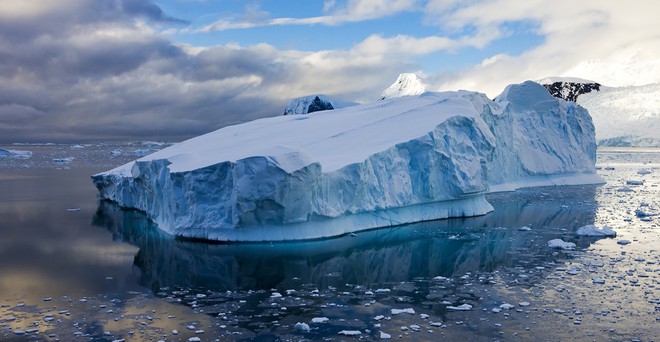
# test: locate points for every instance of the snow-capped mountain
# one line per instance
(623, 116)
(309, 104)
(407, 84)
(407, 159)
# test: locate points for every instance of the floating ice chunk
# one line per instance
(66, 160)
(598, 281)
(561, 244)
(409, 311)
(15, 154)
(506, 306)
(320, 319)
(634, 182)
(644, 172)
(301, 326)
(462, 307)
(524, 228)
(427, 157)
(385, 336)
(524, 304)
(379, 317)
(641, 213)
(625, 189)
(350, 332)
(623, 242)
(591, 230)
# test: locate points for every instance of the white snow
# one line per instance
(407, 84)
(554, 79)
(380, 164)
(561, 244)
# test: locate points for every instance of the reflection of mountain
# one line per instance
(445, 247)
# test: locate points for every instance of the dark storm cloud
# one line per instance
(83, 70)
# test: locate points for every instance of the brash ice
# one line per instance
(379, 164)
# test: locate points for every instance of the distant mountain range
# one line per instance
(623, 116)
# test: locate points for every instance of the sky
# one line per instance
(168, 70)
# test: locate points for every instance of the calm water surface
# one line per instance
(73, 267)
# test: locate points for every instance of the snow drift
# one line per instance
(380, 164)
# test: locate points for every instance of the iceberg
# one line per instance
(395, 161)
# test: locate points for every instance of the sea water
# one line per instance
(74, 267)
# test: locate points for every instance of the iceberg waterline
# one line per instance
(391, 162)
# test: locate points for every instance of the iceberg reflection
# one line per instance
(373, 258)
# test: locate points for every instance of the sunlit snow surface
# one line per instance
(382, 164)
(103, 273)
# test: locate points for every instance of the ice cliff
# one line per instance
(380, 164)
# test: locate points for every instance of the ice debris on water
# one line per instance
(593, 231)
(350, 332)
(409, 311)
(301, 326)
(623, 242)
(634, 182)
(385, 336)
(462, 307)
(561, 244)
(320, 319)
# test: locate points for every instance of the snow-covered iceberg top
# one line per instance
(387, 163)
(309, 104)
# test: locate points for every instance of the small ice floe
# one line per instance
(642, 213)
(385, 336)
(14, 154)
(73, 209)
(320, 319)
(462, 307)
(506, 306)
(350, 332)
(383, 290)
(116, 152)
(524, 304)
(634, 182)
(76, 147)
(524, 229)
(591, 230)
(275, 295)
(623, 242)
(66, 160)
(561, 244)
(598, 281)
(625, 189)
(644, 172)
(301, 327)
(409, 311)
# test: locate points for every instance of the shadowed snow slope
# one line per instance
(380, 164)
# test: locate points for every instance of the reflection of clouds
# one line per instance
(445, 247)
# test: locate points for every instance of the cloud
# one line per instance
(615, 43)
(349, 11)
(79, 75)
